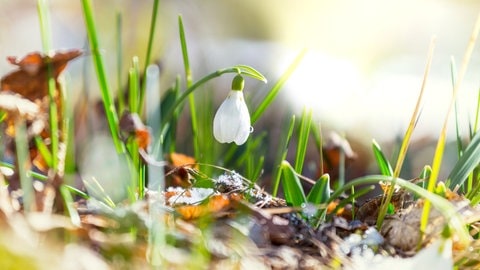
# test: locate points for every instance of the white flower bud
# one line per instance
(232, 120)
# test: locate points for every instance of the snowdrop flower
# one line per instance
(232, 120)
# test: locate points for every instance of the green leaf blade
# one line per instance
(292, 188)
(382, 161)
(320, 192)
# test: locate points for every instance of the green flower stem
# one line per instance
(108, 104)
(192, 88)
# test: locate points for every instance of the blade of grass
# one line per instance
(118, 35)
(466, 163)
(320, 192)
(46, 35)
(33, 174)
(282, 155)
(207, 147)
(382, 161)
(23, 164)
(303, 136)
(406, 139)
(167, 130)
(292, 187)
(453, 74)
(44, 152)
(188, 81)
(352, 197)
(317, 135)
(437, 158)
(477, 114)
(77, 192)
(134, 85)
(276, 88)
(258, 169)
(250, 157)
(110, 111)
(70, 205)
(148, 57)
(69, 135)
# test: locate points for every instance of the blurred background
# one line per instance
(361, 75)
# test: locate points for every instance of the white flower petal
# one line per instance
(232, 120)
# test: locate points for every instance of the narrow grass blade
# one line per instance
(250, 156)
(276, 88)
(133, 90)
(68, 129)
(207, 147)
(70, 205)
(437, 159)
(33, 174)
(408, 134)
(453, 72)
(317, 135)
(77, 192)
(44, 17)
(303, 136)
(382, 161)
(167, 136)
(191, 98)
(186, 61)
(151, 37)
(474, 196)
(292, 187)
(119, 51)
(23, 164)
(282, 155)
(425, 175)
(258, 168)
(477, 114)
(352, 197)
(43, 149)
(110, 111)
(466, 164)
(320, 192)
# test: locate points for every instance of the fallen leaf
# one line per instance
(31, 79)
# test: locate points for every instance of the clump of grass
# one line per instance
(162, 115)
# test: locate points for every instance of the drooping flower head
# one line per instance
(232, 120)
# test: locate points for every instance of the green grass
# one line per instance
(110, 110)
